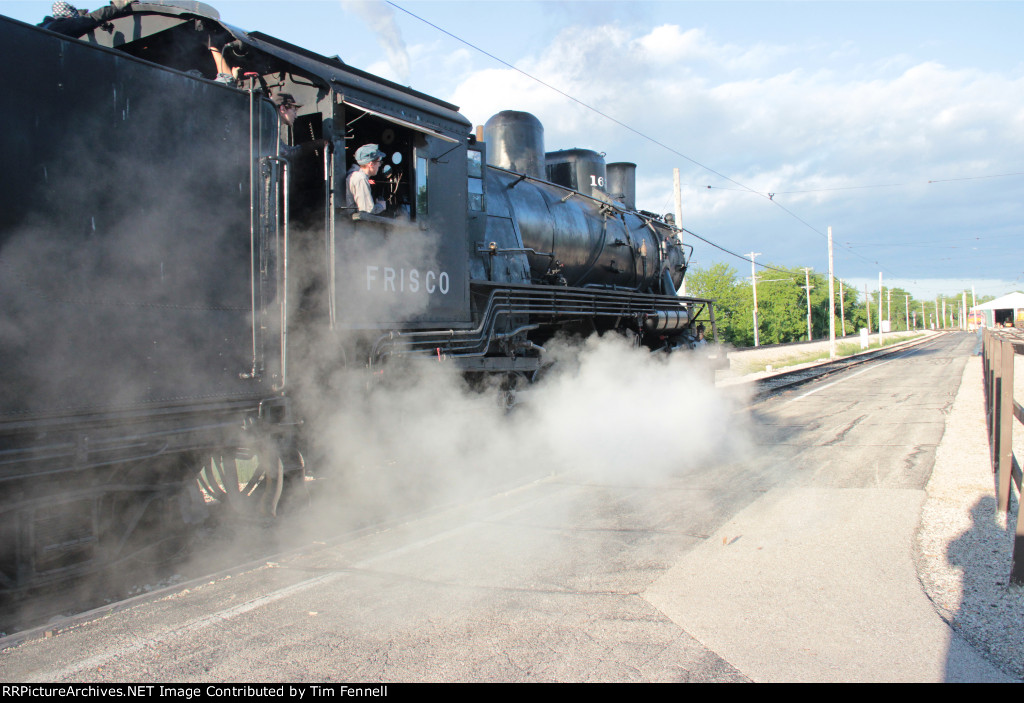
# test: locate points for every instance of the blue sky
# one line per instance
(898, 124)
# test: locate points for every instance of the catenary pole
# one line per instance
(842, 307)
(831, 302)
(753, 281)
(867, 306)
(679, 216)
(879, 306)
(807, 288)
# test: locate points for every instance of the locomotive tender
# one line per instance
(165, 271)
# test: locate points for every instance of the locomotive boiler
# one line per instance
(177, 262)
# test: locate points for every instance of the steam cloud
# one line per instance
(381, 19)
(604, 413)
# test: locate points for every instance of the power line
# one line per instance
(729, 251)
(976, 178)
(862, 187)
(772, 194)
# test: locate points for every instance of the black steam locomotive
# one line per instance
(171, 253)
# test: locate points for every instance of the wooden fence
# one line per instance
(1000, 347)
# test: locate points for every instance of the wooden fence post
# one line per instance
(1004, 455)
(994, 405)
(1017, 565)
(986, 365)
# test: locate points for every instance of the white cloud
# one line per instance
(746, 113)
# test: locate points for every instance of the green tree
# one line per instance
(733, 301)
(896, 303)
(782, 305)
(856, 315)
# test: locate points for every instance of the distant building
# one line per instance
(1001, 312)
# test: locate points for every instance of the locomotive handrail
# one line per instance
(281, 237)
(329, 237)
(252, 217)
(493, 249)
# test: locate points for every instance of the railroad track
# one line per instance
(786, 380)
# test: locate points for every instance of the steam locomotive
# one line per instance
(172, 253)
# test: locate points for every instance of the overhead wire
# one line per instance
(864, 187)
(729, 251)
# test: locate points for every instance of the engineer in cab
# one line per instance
(358, 195)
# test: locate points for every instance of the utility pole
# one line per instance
(908, 312)
(879, 306)
(807, 288)
(679, 217)
(753, 280)
(842, 307)
(867, 306)
(831, 302)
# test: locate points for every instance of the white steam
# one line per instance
(604, 413)
(381, 19)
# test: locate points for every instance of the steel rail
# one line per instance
(786, 380)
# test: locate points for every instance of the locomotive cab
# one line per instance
(406, 265)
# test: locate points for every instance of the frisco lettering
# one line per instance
(402, 280)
